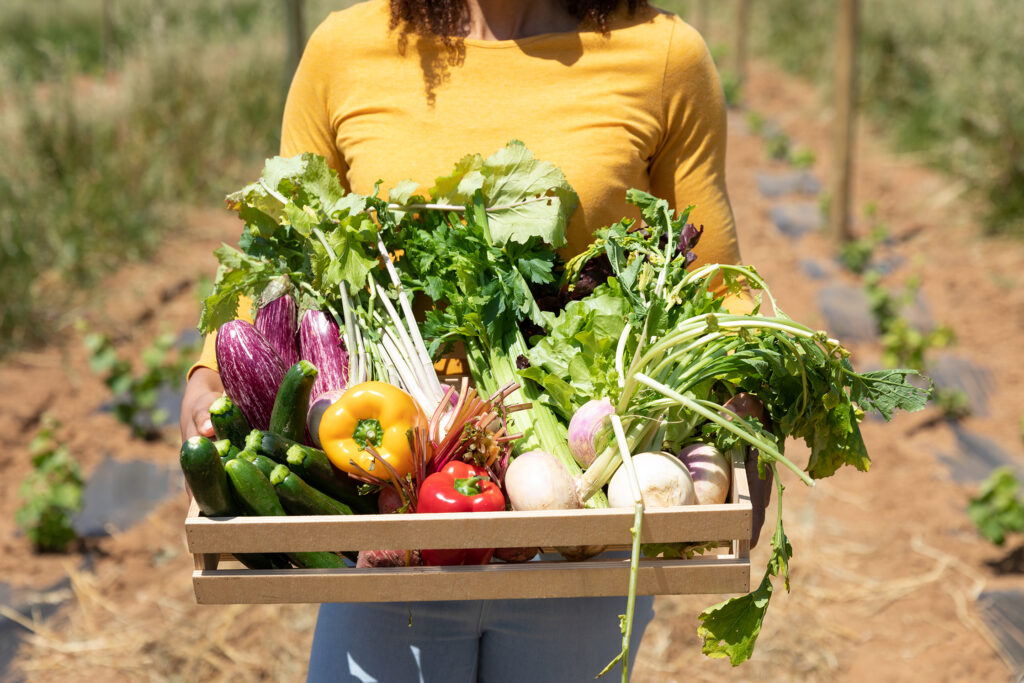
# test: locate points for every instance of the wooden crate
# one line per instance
(218, 579)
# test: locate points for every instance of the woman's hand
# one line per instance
(203, 388)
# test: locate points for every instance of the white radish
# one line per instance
(709, 471)
(584, 428)
(538, 481)
(664, 482)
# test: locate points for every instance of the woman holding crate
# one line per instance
(618, 95)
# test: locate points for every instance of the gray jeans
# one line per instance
(559, 640)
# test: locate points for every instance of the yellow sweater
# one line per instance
(639, 107)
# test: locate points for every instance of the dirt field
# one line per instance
(886, 565)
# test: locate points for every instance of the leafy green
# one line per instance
(885, 391)
(527, 199)
(52, 492)
(299, 223)
(730, 628)
(579, 350)
(998, 509)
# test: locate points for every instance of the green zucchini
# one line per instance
(272, 445)
(262, 462)
(316, 469)
(299, 498)
(204, 473)
(289, 415)
(313, 466)
(228, 421)
(254, 489)
(226, 450)
(259, 497)
(208, 480)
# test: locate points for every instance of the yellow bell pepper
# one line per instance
(375, 414)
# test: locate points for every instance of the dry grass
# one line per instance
(116, 628)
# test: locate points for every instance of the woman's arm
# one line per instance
(689, 164)
(307, 124)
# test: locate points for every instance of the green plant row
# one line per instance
(95, 169)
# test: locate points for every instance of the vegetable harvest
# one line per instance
(618, 370)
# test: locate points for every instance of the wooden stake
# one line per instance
(742, 35)
(701, 19)
(844, 125)
(106, 32)
(296, 34)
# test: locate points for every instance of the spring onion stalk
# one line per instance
(634, 560)
(702, 408)
(638, 433)
(426, 381)
(422, 356)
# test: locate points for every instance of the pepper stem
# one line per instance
(470, 486)
(368, 432)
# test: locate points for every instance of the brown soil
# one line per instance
(886, 565)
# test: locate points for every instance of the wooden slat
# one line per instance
(461, 530)
(723, 574)
(739, 494)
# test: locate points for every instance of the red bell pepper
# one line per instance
(459, 487)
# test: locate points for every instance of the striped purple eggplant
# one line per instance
(277, 319)
(320, 343)
(250, 369)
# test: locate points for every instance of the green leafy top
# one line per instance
(575, 361)
(299, 223)
(527, 199)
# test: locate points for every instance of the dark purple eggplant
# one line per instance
(320, 343)
(277, 319)
(250, 369)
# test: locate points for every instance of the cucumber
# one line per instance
(204, 472)
(299, 498)
(258, 496)
(228, 421)
(289, 415)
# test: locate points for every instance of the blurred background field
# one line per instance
(113, 116)
(941, 79)
(114, 113)
(124, 122)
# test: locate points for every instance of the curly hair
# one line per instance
(446, 18)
